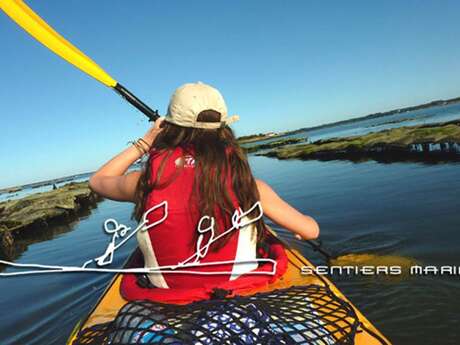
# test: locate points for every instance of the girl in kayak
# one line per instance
(196, 164)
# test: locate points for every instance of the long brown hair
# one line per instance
(218, 157)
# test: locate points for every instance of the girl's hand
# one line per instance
(111, 180)
(151, 134)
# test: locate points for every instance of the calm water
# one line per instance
(408, 209)
(411, 118)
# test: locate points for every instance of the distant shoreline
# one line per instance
(40, 183)
(261, 136)
(431, 104)
(428, 105)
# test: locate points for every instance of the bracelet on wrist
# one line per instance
(146, 145)
(139, 147)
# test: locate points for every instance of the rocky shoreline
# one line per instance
(274, 144)
(37, 213)
(435, 142)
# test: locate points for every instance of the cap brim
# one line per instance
(231, 119)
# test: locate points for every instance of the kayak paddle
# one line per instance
(26, 18)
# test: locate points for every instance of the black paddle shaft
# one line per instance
(317, 247)
(126, 94)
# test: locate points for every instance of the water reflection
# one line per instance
(446, 147)
(19, 242)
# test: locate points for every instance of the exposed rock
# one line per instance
(425, 142)
(23, 217)
(258, 137)
(11, 190)
(273, 144)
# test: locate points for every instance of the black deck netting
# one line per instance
(309, 314)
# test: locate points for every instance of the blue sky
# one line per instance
(280, 66)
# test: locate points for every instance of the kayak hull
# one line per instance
(111, 301)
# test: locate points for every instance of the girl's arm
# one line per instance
(285, 215)
(111, 180)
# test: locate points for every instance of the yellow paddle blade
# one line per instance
(23, 15)
(374, 260)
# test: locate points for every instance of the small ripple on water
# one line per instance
(64, 308)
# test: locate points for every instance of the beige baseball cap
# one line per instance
(189, 100)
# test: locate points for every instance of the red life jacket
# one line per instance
(175, 239)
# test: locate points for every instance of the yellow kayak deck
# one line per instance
(111, 301)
